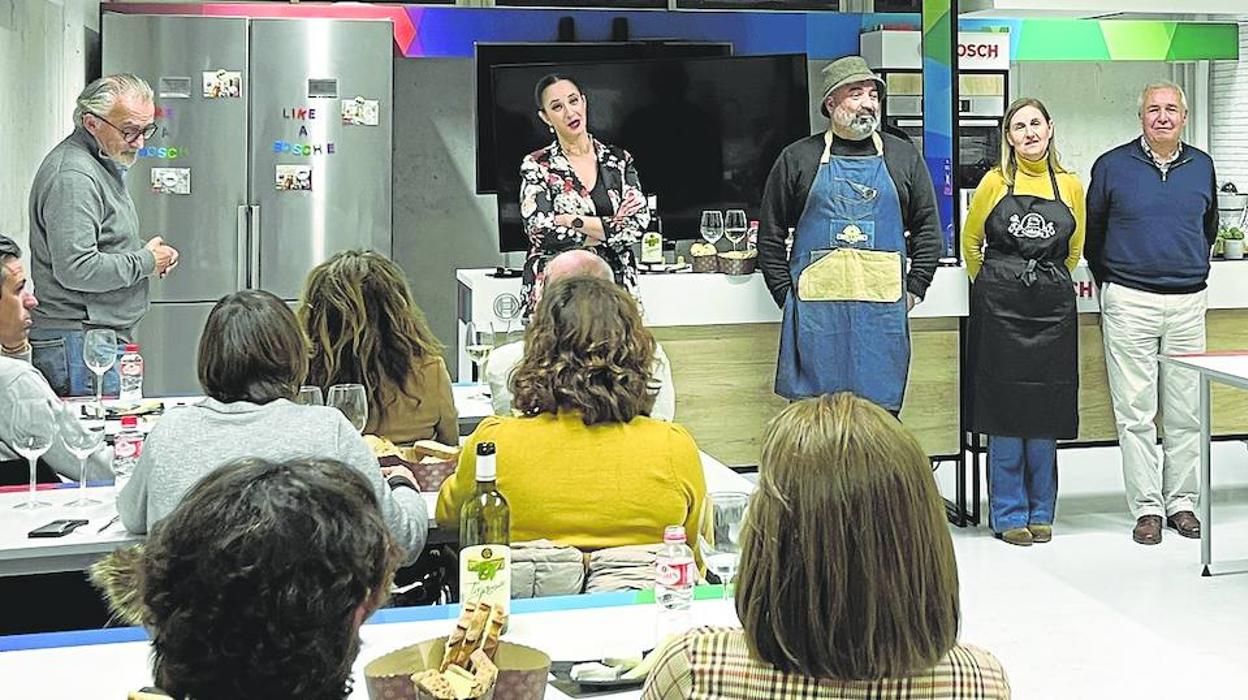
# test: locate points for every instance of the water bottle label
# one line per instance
(485, 575)
(675, 574)
(131, 369)
(127, 448)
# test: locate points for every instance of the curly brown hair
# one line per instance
(364, 327)
(250, 588)
(586, 350)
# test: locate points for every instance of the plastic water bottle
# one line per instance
(674, 575)
(127, 447)
(130, 367)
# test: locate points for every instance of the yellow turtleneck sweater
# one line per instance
(1032, 178)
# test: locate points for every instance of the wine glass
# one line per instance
(310, 396)
(478, 345)
(34, 429)
(723, 514)
(712, 226)
(352, 401)
(735, 226)
(99, 353)
(81, 440)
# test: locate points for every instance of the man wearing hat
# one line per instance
(850, 195)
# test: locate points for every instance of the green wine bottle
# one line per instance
(485, 538)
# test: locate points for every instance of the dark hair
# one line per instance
(365, 328)
(548, 80)
(8, 249)
(847, 567)
(586, 350)
(252, 349)
(250, 587)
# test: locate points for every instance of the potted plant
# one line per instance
(1232, 243)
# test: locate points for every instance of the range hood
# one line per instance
(1191, 10)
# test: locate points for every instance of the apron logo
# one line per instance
(852, 235)
(1031, 226)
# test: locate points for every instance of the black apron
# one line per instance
(1024, 342)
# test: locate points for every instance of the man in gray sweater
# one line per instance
(87, 259)
(20, 381)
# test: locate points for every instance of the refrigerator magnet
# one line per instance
(222, 83)
(175, 87)
(171, 180)
(294, 178)
(360, 112)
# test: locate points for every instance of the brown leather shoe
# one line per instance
(1147, 530)
(1186, 523)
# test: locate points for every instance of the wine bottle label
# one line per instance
(651, 247)
(485, 575)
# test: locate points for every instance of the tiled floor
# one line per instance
(1094, 615)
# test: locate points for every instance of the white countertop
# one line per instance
(21, 555)
(704, 299)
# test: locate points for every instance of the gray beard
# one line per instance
(862, 126)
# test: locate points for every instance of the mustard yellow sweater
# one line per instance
(585, 486)
(1031, 178)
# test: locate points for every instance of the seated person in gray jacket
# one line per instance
(19, 379)
(252, 359)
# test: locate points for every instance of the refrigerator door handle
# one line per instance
(243, 234)
(254, 265)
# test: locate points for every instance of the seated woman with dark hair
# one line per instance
(277, 612)
(848, 585)
(584, 466)
(252, 359)
(365, 328)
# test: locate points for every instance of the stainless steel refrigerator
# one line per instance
(274, 152)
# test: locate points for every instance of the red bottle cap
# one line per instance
(129, 421)
(132, 347)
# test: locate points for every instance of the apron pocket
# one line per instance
(849, 274)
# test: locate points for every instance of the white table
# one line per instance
(21, 555)
(1229, 368)
(110, 663)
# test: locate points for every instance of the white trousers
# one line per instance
(1136, 326)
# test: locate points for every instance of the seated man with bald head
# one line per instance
(503, 360)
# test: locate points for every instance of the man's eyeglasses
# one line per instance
(130, 135)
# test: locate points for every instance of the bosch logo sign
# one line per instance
(979, 50)
(506, 305)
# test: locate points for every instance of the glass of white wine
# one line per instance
(736, 226)
(310, 396)
(477, 345)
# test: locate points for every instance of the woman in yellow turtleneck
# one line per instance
(1022, 238)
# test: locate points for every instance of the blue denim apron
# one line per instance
(855, 338)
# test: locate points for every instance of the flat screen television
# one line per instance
(704, 132)
(489, 55)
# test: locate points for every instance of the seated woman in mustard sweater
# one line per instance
(1022, 238)
(585, 465)
(365, 328)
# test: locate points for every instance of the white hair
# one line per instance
(1160, 85)
(101, 94)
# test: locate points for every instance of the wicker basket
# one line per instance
(704, 263)
(737, 266)
(522, 672)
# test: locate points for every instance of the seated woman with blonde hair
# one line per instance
(365, 328)
(848, 585)
(585, 465)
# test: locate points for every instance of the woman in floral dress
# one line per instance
(578, 192)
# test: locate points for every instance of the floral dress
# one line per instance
(549, 186)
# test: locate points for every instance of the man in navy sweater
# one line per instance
(1152, 218)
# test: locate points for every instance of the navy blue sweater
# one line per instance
(1150, 232)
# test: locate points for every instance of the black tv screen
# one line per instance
(490, 55)
(703, 132)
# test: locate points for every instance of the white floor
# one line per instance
(1094, 615)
